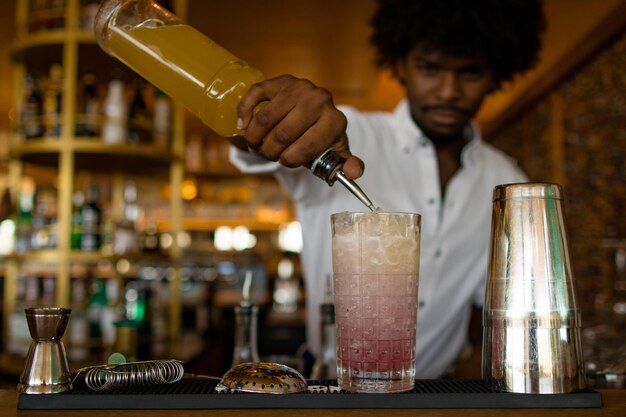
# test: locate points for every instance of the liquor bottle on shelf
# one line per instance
(78, 331)
(114, 128)
(139, 120)
(78, 200)
(137, 313)
(325, 367)
(194, 162)
(57, 14)
(102, 314)
(150, 240)
(53, 98)
(32, 113)
(162, 119)
(91, 222)
(25, 209)
(26, 295)
(286, 287)
(125, 236)
(246, 317)
(88, 107)
(44, 234)
(39, 16)
(95, 307)
(88, 13)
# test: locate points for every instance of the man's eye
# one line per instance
(427, 68)
(472, 73)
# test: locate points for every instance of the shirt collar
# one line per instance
(410, 137)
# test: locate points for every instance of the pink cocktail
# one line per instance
(375, 269)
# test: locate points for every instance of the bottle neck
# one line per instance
(245, 349)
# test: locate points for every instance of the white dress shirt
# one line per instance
(401, 174)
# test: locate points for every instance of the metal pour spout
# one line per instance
(328, 167)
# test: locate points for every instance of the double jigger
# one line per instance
(46, 370)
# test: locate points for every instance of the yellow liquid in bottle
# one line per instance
(189, 67)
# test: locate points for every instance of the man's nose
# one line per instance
(448, 87)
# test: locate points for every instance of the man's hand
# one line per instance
(295, 124)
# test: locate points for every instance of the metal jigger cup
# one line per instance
(46, 370)
(531, 322)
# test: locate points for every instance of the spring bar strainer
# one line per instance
(132, 374)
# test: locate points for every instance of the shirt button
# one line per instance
(431, 201)
(406, 150)
(438, 253)
(422, 304)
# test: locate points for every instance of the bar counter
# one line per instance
(614, 406)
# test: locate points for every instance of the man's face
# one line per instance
(444, 92)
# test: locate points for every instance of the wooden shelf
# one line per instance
(94, 155)
(77, 53)
(51, 37)
(209, 225)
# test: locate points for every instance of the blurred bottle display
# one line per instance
(78, 201)
(150, 241)
(139, 120)
(57, 14)
(25, 207)
(44, 219)
(103, 110)
(286, 287)
(89, 110)
(52, 105)
(194, 161)
(88, 10)
(325, 367)
(125, 238)
(91, 221)
(78, 326)
(32, 113)
(18, 335)
(114, 128)
(101, 315)
(46, 15)
(245, 346)
(162, 119)
(137, 310)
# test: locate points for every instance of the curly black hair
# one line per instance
(505, 34)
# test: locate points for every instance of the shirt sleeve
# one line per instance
(249, 163)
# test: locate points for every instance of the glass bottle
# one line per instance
(78, 199)
(32, 112)
(91, 222)
(125, 235)
(325, 367)
(246, 316)
(245, 349)
(139, 120)
(53, 99)
(192, 69)
(89, 107)
(79, 330)
(114, 126)
(162, 120)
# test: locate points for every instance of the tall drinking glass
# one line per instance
(375, 273)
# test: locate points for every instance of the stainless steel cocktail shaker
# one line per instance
(531, 333)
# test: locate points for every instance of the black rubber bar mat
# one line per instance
(201, 394)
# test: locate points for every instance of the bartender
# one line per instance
(427, 156)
